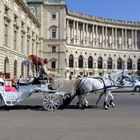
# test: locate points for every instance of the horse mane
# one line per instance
(115, 74)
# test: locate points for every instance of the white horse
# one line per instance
(103, 85)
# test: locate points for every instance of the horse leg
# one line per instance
(105, 101)
(85, 100)
(101, 94)
(80, 102)
(111, 102)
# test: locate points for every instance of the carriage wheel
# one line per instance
(51, 102)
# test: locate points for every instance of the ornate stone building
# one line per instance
(76, 43)
(19, 37)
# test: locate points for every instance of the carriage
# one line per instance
(55, 98)
(52, 98)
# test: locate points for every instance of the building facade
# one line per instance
(73, 43)
(76, 43)
(19, 38)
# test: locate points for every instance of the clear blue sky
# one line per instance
(115, 9)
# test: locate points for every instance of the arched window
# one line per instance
(119, 63)
(90, 62)
(53, 32)
(138, 64)
(28, 70)
(109, 63)
(15, 68)
(6, 65)
(80, 60)
(129, 64)
(71, 60)
(100, 63)
(22, 68)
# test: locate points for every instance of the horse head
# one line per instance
(117, 77)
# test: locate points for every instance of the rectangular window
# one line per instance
(22, 43)
(53, 64)
(53, 16)
(6, 10)
(53, 33)
(15, 39)
(6, 35)
(22, 25)
(28, 46)
(53, 48)
(15, 18)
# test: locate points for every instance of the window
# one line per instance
(80, 61)
(109, 63)
(15, 68)
(129, 64)
(119, 63)
(22, 43)
(15, 18)
(15, 39)
(71, 61)
(6, 10)
(53, 33)
(6, 65)
(53, 48)
(6, 35)
(100, 62)
(53, 16)
(138, 64)
(53, 64)
(28, 46)
(90, 62)
(22, 25)
(22, 68)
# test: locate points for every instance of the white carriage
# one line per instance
(52, 99)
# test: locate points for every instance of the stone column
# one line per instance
(74, 32)
(68, 33)
(96, 35)
(123, 41)
(106, 44)
(93, 37)
(86, 35)
(83, 34)
(113, 38)
(135, 39)
(103, 45)
(116, 45)
(132, 39)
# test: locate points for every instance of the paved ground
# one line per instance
(27, 121)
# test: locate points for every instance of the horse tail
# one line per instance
(75, 86)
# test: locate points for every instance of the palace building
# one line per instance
(74, 43)
(19, 37)
(88, 45)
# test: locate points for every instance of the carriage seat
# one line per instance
(9, 88)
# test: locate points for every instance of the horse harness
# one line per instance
(81, 82)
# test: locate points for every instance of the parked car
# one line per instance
(130, 83)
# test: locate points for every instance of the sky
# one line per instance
(115, 9)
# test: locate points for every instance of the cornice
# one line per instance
(26, 9)
(102, 20)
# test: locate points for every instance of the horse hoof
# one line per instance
(105, 107)
(113, 105)
(81, 107)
